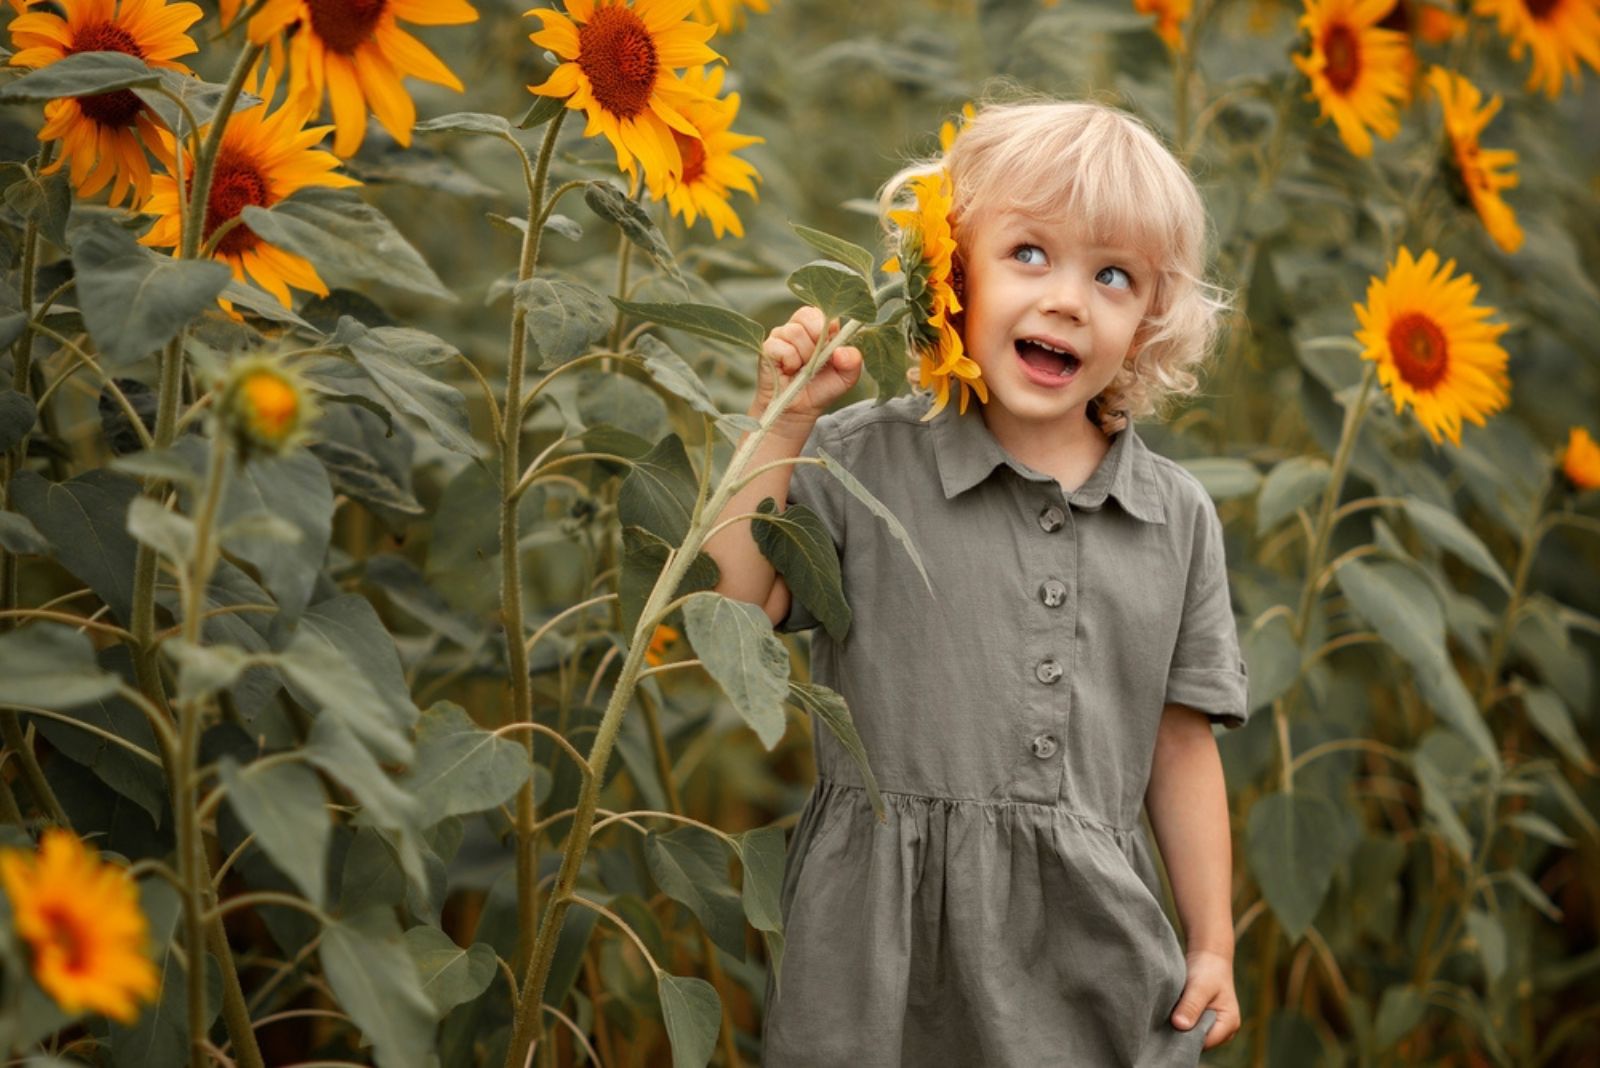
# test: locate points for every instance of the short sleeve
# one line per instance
(819, 491)
(1207, 673)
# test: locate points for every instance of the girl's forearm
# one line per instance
(1188, 805)
(747, 575)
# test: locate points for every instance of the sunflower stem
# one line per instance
(1532, 535)
(529, 1022)
(527, 857)
(205, 163)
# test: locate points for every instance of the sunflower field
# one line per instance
(372, 373)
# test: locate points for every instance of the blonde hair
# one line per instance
(1107, 171)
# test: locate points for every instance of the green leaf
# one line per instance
(460, 767)
(165, 531)
(1399, 1013)
(202, 99)
(472, 122)
(851, 255)
(734, 641)
(85, 520)
(334, 747)
(1532, 823)
(348, 240)
(1439, 808)
(375, 980)
(830, 708)
(17, 417)
(609, 202)
(691, 866)
(1551, 719)
(1291, 485)
(840, 292)
(660, 491)
(1272, 661)
(371, 876)
(356, 474)
(799, 547)
(761, 851)
(161, 1034)
(52, 666)
(464, 537)
(1295, 842)
(1490, 937)
(1445, 530)
(611, 399)
(405, 367)
(644, 557)
(1224, 477)
(877, 508)
(205, 669)
(886, 358)
(284, 807)
(543, 110)
(450, 975)
(80, 74)
(45, 200)
(702, 320)
(673, 374)
(564, 318)
(1533, 894)
(134, 300)
(693, 1015)
(21, 537)
(342, 661)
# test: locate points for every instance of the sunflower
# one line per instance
(1432, 347)
(710, 169)
(618, 71)
(660, 641)
(1168, 13)
(950, 127)
(1581, 460)
(355, 53)
(927, 259)
(263, 158)
(101, 135)
(1357, 70)
(266, 404)
(1482, 172)
(1557, 32)
(728, 15)
(82, 920)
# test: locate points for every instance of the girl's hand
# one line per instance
(786, 350)
(1209, 986)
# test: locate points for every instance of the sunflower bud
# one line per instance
(266, 405)
(1580, 461)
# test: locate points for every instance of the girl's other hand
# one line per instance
(786, 350)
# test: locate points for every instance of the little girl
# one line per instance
(1067, 665)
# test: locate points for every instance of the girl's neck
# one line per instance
(1069, 450)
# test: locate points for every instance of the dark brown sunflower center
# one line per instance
(693, 151)
(236, 183)
(618, 55)
(1343, 50)
(344, 24)
(1421, 353)
(1540, 9)
(116, 109)
(1398, 18)
(65, 936)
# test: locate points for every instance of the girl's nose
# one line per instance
(1064, 296)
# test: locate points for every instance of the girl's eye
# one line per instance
(1127, 279)
(1029, 254)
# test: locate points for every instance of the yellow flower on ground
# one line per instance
(1358, 71)
(728, 15)
(266, 405)
(264, 157)
(1432, 347)
(1169, 14)
(656, 654)
(711, 171)
(927, 259)
(1581, 460)
(100, 135)
(620, 59)
(1483, 172)
(1558, 32)
(355, 53)
(81, 920)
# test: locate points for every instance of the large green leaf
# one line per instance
(854, 487)
(80, 74)
(334, 747)
(886, 358)
(405, 367)
(1448, 532)
(460, 767)
(464, 537)
(348, 240)
(703, 320)
(472, 122)
(693, 1015)
(160, 1036)
(1294, 843)
(609, 202)
(691, 866)
(450, 975)
(376, 981)
(829, 707)
(673, 374)
(52, 666)
(851, 255)
(342, 661)
(644, 556)
(1224, 477)
(1272, 660)
(46, 200)
(660, 491)
(799, 547)
(1549, 716)
(761, 851)
(371, 875)
(19, 536)
(85, 520)
(201, 98)
(167, 532)
(609, 399)
(564, 318)
(1291, 485)
(734, 641)
(284, 807)
(840, 292)
(134, 300)
(17, 417)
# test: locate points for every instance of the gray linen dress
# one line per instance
(1008, 912)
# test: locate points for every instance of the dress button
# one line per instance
(1044, 746)
(1053, 593)
(1051, 519)
(1048, 671)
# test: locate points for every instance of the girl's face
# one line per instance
(1049, 317)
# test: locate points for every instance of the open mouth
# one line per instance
(1047, 359)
